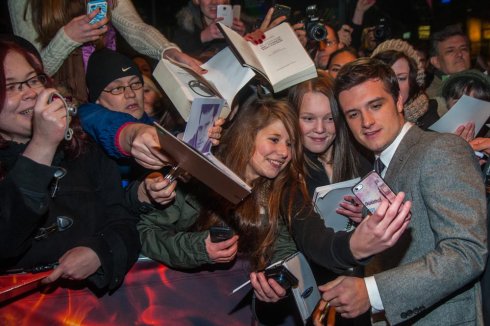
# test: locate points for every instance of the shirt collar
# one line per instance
(389, 152)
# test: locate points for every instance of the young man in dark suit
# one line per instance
(430, 277)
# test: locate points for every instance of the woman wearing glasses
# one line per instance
(62, 205)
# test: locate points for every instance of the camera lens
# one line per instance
(317, 32)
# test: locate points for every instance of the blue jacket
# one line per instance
(103, 124)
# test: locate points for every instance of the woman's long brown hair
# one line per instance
(344, 156)
(257, 231)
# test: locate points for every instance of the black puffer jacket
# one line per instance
(90, 194)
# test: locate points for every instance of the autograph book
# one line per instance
(225, 77)
(280, 59)
(204, 167)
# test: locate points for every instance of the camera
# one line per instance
(315, 30)
(382, 31)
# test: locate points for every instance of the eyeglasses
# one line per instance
(33, 82)
(121, 89)
(327, 43)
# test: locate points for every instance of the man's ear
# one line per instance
(435, 62)
(399, 104)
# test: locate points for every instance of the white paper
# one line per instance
(467, 109)
(227, 74)
(327, 199)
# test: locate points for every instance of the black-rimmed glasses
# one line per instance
(33, 82)
(121, 89)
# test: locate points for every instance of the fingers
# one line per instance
(277, 21)
(267, 20)
(159, 189)
(481, 144)
(267, 290)
(330, 285)
(222, 252)
(256, 37)
(146, 150)
(56, 274)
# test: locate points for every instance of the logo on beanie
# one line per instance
(125, 69)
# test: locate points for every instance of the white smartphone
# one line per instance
(225, 11)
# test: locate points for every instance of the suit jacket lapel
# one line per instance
(411, 138)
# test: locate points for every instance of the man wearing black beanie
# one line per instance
(114, 81)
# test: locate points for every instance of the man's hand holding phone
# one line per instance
(382, 229)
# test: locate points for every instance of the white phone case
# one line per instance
(225, 11)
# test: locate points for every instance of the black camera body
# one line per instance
(282, 276)
(315, 30)
(382, 31)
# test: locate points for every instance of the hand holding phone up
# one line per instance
(382, 229)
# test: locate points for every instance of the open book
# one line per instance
(467, 109)
(204, 167)
(224, 79)
(327, 199)
(280, 59)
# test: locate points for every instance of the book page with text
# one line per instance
(227, 74)
(243, 47)
(281, 54)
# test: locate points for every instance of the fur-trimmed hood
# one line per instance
(189, 18)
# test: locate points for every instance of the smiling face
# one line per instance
(16, 113)
(316, 123)
(453, 55)
(372, 114)
(130, 101)
(402, 72)
(272, 152)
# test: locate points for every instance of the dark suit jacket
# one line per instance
(430, 277)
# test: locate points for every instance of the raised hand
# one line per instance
(381, 230)
(211, 32)
(238, 26)
(466, 131)
(80, 30)
(48, 128)
(181, 57)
